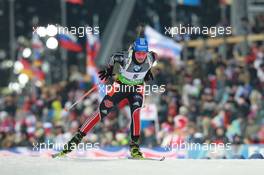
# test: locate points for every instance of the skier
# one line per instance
(134, 69)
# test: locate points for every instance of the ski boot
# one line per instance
(135, 151)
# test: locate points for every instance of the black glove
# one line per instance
(106, 73)
(148, 76)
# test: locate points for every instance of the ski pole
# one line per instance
(81, 98)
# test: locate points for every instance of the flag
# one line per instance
(92, 46)
(68, 41)
(162, 45)
(79, 2)
(92, 49)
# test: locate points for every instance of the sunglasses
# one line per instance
(140, 55)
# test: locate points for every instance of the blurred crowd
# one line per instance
(213, 99)
(208, 99)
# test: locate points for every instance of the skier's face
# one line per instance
(140, 56)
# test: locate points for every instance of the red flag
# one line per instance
(80, 2)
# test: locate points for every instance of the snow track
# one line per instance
(24, 165)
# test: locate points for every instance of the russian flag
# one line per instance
(162, 45)
(69, 41)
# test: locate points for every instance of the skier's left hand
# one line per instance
(149, 76)
(106, 73)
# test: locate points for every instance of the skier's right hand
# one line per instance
(106, 73)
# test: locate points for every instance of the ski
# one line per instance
(147, 158)
(60, 155)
